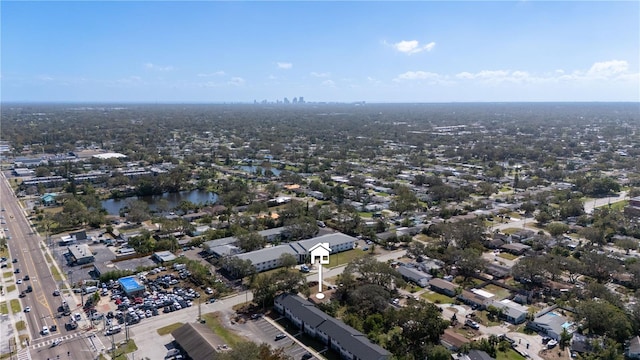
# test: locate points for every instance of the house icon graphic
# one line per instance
(321, 252)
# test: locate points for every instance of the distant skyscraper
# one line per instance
(286, 100)
(301, 100)
(295, 100)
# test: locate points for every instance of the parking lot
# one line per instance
(266, 332)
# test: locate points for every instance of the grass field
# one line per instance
(15, 306)
(507, 256)
(7, 275)
(21, 325)
(169, 328)
(4, 309)
(436, 298)
(508, 355)
(500, 293)
(345, 256)
(11, 288)
(55, 273)
(122, 351)
(229, 337)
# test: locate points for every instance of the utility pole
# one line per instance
(199, 311)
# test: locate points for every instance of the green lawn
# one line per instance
(21, 325)
(437, 298)
(55, 273)
(4, 309)
(345, 256)
(15, 306)
(509, 355)
(7, 275)
(169, 328)
(500, 293)
(619, 205)
(509, 231)
(507, 256)
(229, 337)
(10, 288)
(122, 351)
(365, 215)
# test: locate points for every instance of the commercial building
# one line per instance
(131, 286)
(80, 254)
(197, 341)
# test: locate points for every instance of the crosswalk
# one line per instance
(50, 341)
(24, 354)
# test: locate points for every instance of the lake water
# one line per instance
(200, 197)
(252, 169)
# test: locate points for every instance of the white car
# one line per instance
(27, 309)
(56, 342)
(45, 330)
(19, 281)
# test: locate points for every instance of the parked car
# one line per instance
(56, 342)
(472, 324)
(280, 336)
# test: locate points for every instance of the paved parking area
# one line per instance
(266, 332)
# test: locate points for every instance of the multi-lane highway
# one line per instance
(26, 246)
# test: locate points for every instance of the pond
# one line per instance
(199, 197)
(253, 169)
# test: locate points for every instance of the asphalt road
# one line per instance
(24, 245)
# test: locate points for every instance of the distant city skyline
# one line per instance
(213, 52)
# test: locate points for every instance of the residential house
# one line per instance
(452, 340)
(414, 275)
(443, 286)
(477, 301)
(515, 248)
(511, 311)
(345, 340)
(633, 349)
(48, 199)
(551, 324)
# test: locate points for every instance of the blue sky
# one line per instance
(209, 51)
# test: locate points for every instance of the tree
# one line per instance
(557, 228)
(599, 266)
(138, 211)
(602, 318)
(627, 244)
(301, 228)
(287, 260)
(250, 241)
(565, 338)
(468, 262)
(373, 271)
(530, 269)
(238, 268)
(405, 200)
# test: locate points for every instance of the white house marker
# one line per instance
(320, 251)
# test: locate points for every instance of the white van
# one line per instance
(89, 290)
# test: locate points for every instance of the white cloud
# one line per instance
(418, 75)
(284, 65)
(320, 75)
(45, 78)
(608, 69)
(155, 67)
(236, 81)
(412, 46)
(217, 73)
